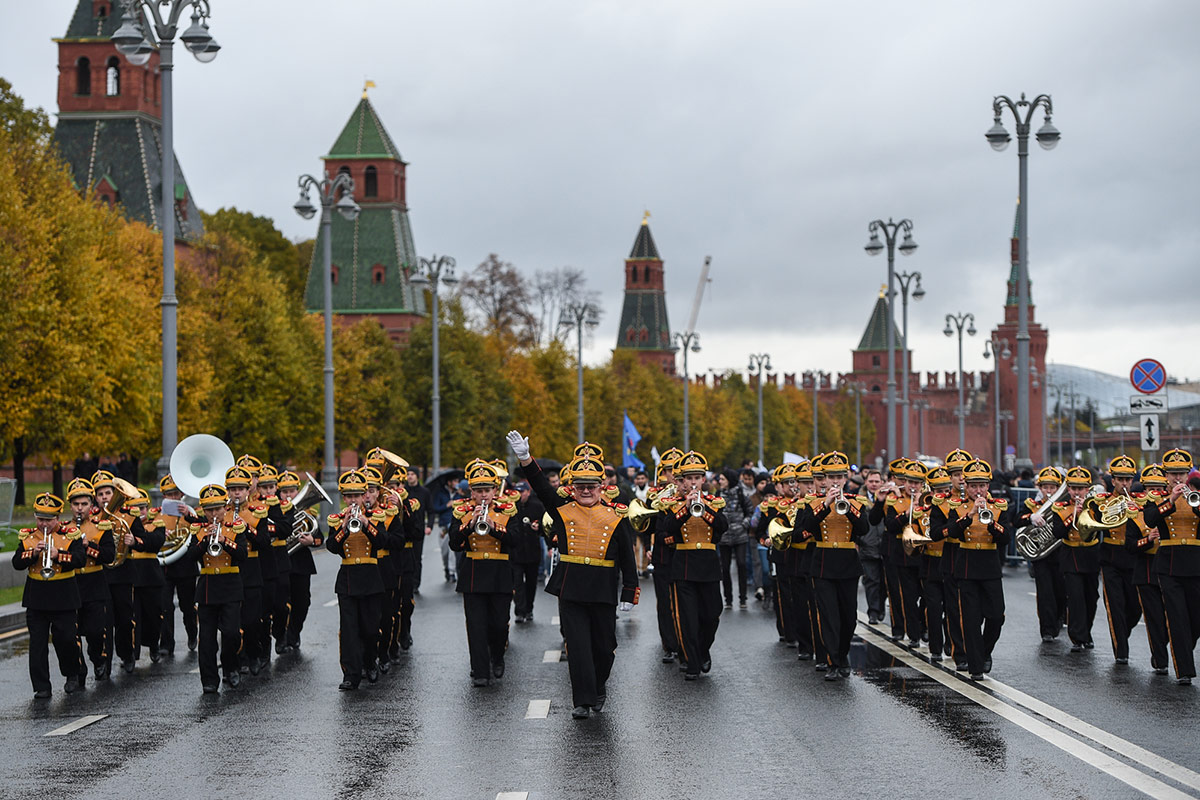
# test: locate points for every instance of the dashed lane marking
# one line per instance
(1032, 594)
(1126, 773)
(554, 621)
(512, 796)
(82, 722)
(331, 603)
(538, 709)
(551, 656)
(195, 671)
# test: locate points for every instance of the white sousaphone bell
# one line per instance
(198, 460)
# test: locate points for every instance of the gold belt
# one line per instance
(1173, 542)
(696, 546)
(141, 554)
(279, 543)
(934, 555)
(977, 545)
(408, 545)
(801, 546)
(37, 576)
(836, 545)
(219, 570)
(88, 570)
(360, 561)
(595, 562)
(382, 553)
(1092, 543)
(477, 555)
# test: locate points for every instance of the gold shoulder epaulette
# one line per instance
(271, 501)
(954, 502)
(620, 509)
(285, 507)
(1031, 504)
(414, 505)
(238, 528)
(717, 503)
(462, 510)
(25, 533)
(157, 523)
(563, 491)
(612, 492)
(334, 520)
(891, 501)
(1001, 504)
(104, 525)
(379, 516)
(765, 505)
(507, 509)
(72, 532)
(259, 512)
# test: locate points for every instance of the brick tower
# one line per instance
(374, 255)
(644, 327)
(110, 121)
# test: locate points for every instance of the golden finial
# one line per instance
(882, 291)
(367, 85)
(646, 217)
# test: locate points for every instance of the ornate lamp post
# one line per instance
(759, 362)
(685, 342)
(1000, 348)
(905, 279)
(875, 247)
(430, 274)
(577, 315)
(960, 320)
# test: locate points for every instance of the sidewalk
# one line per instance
(12, 617)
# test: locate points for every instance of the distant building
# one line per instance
(644, 327)
(373, 256)
(109, 128)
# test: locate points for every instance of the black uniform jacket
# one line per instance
(590, 559)
(835, 557)
(220, 578)
(694, 539)
(359, 574)
(485, 568)
(977, 545)
(1178, 529)
(61, 593)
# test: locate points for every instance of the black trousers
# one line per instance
(872, 581)
(251, 622)
(820, 654)
(43, 625)
(185, 590)
(1121, 603)
(981, 616)
(120, 621)
(664, 603)
(1151, 602)
(92, 623)
(281, 608)
(389, 622)
(147, 604)
(266, 613)
(300, 585)
(934, 593)
(775, 593)
(525, 586)
(910, 596)
(896, 607)
(358, 631)
(487, 629)
(733, 552)
(793, 603)
(407, 606)
(1181, 601)
(418, 551)
(1083, 592)
(590, 630)
(225, 618)
(837, 610)
(953, 610)
(1051, 596)
(697, 615)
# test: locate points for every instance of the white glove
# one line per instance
(624, 606)
(519, 445)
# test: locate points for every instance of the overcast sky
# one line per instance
(764, 134)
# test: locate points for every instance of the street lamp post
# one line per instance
(921, 405)
(999, 347)
(998, 138)
(338, 193)
(856, 389)
(875, 247)
(686, 341)
(960, 320)
(131, 41)
(759, 362)
(430, 274)
(577, 315)
(906, 278)
(817, 376)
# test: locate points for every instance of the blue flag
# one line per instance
(629, 441)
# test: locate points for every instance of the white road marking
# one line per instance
(551, 656)
(538, 709)
(554, 621)
(1123, 772)
(82, 722)
(1032, 594)
(512, 796)
(331, 603)
(195, 671)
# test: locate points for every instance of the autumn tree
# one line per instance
(498, 297)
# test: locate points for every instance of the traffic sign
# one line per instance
(1145, 404)
(1149, 428)
(1148, 376)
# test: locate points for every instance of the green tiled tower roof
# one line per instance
(875, 336)
(364, 136)
(1014, 274)
(643, 245)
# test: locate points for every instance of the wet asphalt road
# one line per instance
(761, 724)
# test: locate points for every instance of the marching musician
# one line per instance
(356, 538)
(526, 555)
(389, 520)
(660, 556)
(1048, 580)
(277, 590)
(479, 530)
(892, 505)
(410, 539)
(94, 599)
(1143, 541)
(977, 572)
(695, 522)
(1116, 562)
(956, 461)
(791, 581)
(147, 578)
(933, 587)
(219, 547)
(836, 522)
(594, 541)
(1177, 523)
(300, 561)
(179, 576)
(238, 482)
(119, 572)
(813, 485)
(1079, 560)
(51, 552)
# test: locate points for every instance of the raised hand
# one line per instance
(519, 445)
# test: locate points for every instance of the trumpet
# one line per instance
(696, 509)
(47, 570)
(214, 540)
(355, 523)
(985, 516)
(841, 505)
(303, 524)
(1192, 498)
(482, 526)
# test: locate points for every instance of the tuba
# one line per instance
(779, 531)
(123, 492)
(198, 461)
(910, 537)
(1035, 542)
(176, 544)
(312, 494)
(640, 515)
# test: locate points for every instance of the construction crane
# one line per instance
(704, 279)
